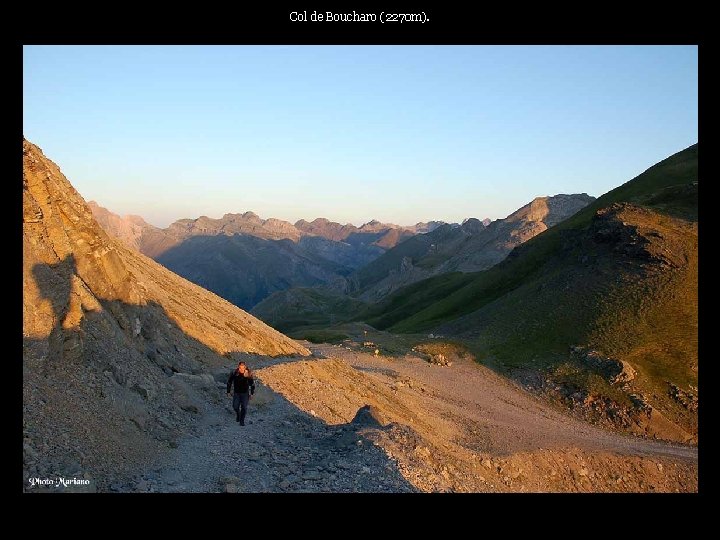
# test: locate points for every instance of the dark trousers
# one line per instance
(240, 401)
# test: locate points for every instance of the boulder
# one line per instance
(627, 373)
(614, 370)
(368, 416)
(439, 360)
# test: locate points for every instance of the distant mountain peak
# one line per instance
(129, 229)
(551, 210)
(472, 225)
(374, 225)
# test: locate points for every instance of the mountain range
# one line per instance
(244, 258)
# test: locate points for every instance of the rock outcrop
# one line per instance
(687, 399)
(613, 370)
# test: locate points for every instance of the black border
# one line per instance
(449, 25)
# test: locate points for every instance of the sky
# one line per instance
(401, 134)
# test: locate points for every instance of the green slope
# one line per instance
(665, 187)
(305, 307)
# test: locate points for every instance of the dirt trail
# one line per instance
(427, 428)
(512, 419)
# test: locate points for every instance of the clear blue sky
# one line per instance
(396, 133)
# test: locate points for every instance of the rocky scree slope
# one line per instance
(111, 339)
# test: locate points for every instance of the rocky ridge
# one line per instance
(131, 230)
(472, 247)
(244, 258)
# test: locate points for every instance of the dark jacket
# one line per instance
(241, 383)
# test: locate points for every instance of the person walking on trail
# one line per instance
(243, 384)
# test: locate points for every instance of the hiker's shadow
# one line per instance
(54, 282)
(347, 453)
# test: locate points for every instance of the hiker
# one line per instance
(244, 385)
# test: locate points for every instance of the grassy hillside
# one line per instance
(417, 308)
(619, 277)
(413, 299)
(301, 307)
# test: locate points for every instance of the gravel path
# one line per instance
(358, 423)
(280, 449)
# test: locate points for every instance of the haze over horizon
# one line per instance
(400, 134)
